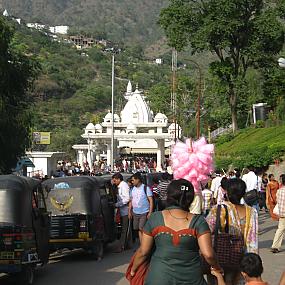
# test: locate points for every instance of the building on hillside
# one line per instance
(36, 26)
(136, 132)
(158, 61)
(82, 42)
(62, 30)
(6, 14)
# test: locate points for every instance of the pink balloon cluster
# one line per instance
(192, 161)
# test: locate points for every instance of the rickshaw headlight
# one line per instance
(7, 241)
(18, 254)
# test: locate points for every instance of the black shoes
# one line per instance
(275, 250)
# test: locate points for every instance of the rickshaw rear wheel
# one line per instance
(97, 250)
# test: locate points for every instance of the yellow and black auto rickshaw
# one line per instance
(82, 215)
(24, 227)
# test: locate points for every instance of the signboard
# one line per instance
(41, 137)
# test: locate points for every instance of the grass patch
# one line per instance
(253, 146)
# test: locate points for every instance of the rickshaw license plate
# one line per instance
(83, 235)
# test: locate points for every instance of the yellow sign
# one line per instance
(41, 137)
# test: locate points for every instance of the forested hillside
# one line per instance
(74, 87)
(117, 20)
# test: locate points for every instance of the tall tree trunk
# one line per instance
(233, 105)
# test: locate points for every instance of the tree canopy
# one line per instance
(242, 34)
(17, 72)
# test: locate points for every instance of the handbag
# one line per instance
(229, 248)
(276, 210)
(141, 272)
(251, 197)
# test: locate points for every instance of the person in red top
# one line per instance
(271, 191)
(251, 270)
(280, 232)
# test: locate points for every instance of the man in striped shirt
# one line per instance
(162, 190)
(279, 234)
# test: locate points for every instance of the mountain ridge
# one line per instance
(119, 20)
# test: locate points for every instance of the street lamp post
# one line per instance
(112, 135)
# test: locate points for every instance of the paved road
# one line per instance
(78, 269)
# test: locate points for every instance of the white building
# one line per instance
(63, 30)
(36, 26)
(136, 131)
(158, 60)
(45, 163)
(5, 13)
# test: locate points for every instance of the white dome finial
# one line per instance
(129, 87)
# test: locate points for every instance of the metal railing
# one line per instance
(220, 131)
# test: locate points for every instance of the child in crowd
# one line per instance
(207, 200)
(251, 269)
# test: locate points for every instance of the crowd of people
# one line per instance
(124, 164)
(173, 239)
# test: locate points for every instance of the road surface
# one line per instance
(78, 269)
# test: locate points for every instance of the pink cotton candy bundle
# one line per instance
(192, 161)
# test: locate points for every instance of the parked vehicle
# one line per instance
(24, 227)
(82, 213)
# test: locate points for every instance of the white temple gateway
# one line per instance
(136, 132)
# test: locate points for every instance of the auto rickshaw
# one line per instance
(82, 215)
(24, 227)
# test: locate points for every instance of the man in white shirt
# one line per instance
(123, 199)
(251, 181)
(215, 185)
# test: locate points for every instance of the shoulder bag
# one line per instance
(276, 210)
(251, 197)
(229, 248)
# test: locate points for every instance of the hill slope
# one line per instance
(253, 146)
(119, 20)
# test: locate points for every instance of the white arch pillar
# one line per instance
(108, 154)
(160, 155)
(80, 157)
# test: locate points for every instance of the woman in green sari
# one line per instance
(174, 236)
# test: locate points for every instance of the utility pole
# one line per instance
(173, 93)
(198, 107)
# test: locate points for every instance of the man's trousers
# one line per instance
(126, 234)
(279, 235)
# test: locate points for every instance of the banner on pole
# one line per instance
(41, 137)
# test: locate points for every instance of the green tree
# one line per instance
(160, 99)
(17, 74)
(241, 33)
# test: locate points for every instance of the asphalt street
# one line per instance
(78, 269)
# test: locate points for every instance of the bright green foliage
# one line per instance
(241, 33)
(73, 88)
(17, 72)
(159, 97)
(258, 147)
